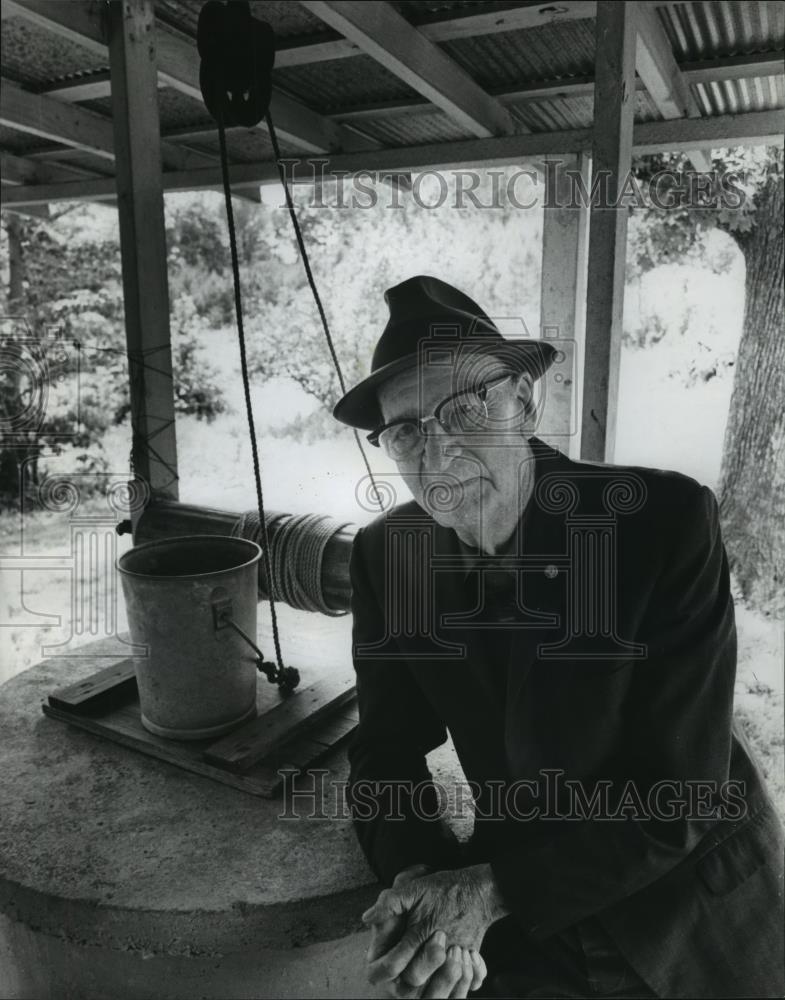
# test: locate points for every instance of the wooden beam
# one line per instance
(614, 75)
(104, 168)
(36, 211)
(22, 170)
(662, 78)
(90, 89)
(299, 51)
(740, 67)
(83, 89)
(756, 128)
(381, 32)
(563, 297)
(143, 244)
(77, 127)
(56, 121)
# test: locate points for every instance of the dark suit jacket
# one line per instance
(620, 669)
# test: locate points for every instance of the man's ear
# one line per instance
(524, 390)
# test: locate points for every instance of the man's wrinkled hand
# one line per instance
(434, 970)
(455, 902)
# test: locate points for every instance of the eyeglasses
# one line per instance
(461, 413)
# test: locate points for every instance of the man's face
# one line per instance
(466, 480)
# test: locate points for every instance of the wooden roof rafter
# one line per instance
(754, 128)
(381, 32)
(662, 78)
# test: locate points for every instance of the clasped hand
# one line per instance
(426, 933)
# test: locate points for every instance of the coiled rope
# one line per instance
(296, 553)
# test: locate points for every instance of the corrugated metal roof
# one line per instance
(575, 112)
(415, 10)
(547, 52)
(32, 57)
(287, 18)
(242, 145)
(411, 129)
(341, 83)
(710, 30)
(500, 62)
(729, 97)
(175, 109)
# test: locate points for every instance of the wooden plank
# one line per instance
(753, 129)
(258, 738)
(110, 710)
(143, 245)
(23, 170)
(77, 127)
(611, 155)
(381, 32)
(563, 298)
(72, 91)
(754, 64)
(333, 729)
(123, 727)
(54, 120)
(77, 695)
(325, 46)
(656, 66)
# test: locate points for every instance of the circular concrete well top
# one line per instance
(124, 850)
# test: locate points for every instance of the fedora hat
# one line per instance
(433, 322)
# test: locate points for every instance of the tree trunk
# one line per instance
(752, 481)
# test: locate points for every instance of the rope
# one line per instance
(317, 299)
(295, 557)
(264, 539)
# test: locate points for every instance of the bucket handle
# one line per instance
(287, 679)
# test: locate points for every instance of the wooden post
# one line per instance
(143, 243)
(563, 296)
(614, 95)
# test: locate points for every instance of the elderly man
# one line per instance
(571, 626)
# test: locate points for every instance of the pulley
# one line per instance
(237, 53)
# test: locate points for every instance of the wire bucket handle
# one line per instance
(287, 678)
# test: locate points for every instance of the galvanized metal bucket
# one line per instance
(198, 679)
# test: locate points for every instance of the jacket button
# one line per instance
(551, 572)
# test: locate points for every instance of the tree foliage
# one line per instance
(67, 288)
